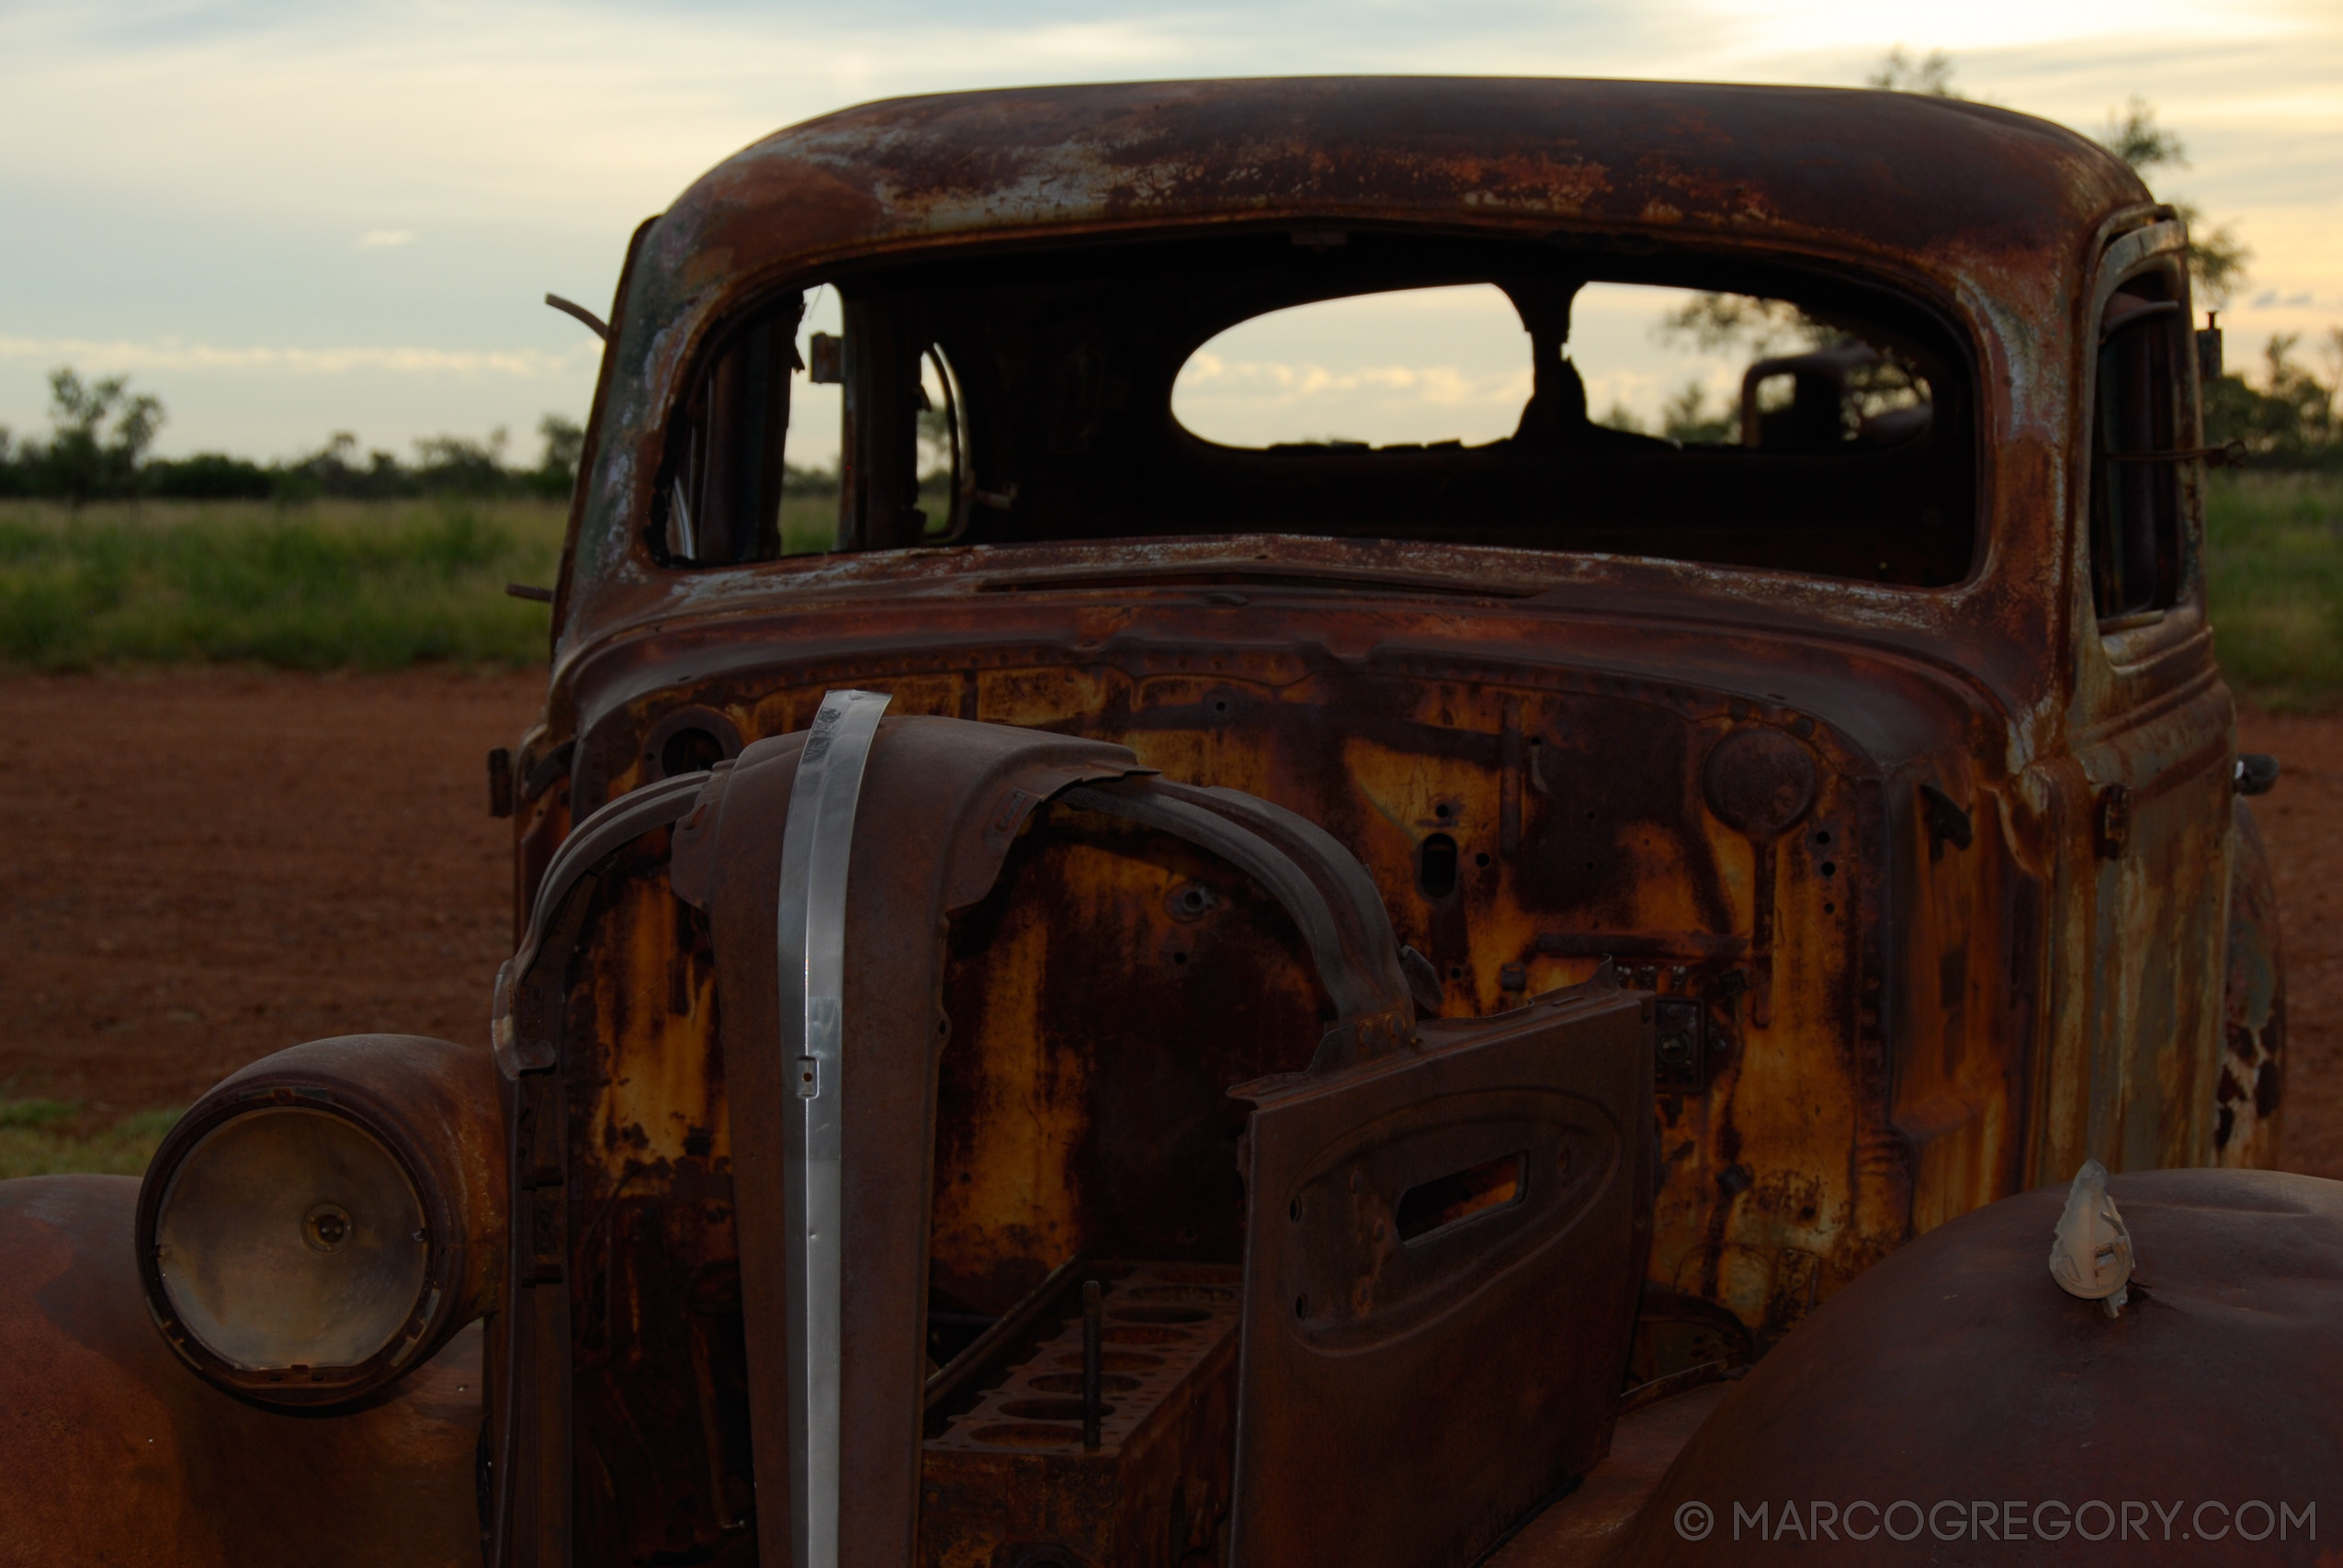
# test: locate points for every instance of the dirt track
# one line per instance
(203, 867)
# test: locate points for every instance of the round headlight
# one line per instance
(292, 1239)
(323, 1220)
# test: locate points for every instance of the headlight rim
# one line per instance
(427, 1325)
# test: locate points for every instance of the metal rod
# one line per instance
(817, 843)
(1093, 1364)
(945, 1380)
(595, 323)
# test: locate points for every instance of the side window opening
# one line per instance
(725, 478)
(2137, 445)
(946, 483)
(904, 462)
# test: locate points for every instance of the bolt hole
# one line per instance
(1481, 859)
(1301, 1306)
(1456, 971)
(1187, 1235)
(1823, 836)
(1294, 1210)
(1179, 958)
(1444, 811)
(1829, 908)
(1829, 868)
(1220, 705)
(690, 750)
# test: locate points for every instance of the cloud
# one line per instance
(524, 363)
(1285, 385)
(259, 144)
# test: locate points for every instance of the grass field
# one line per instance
(377, 585)
(2274, 560)
(332, 585)
(52, 1137)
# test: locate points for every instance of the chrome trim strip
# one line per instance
(816, 844)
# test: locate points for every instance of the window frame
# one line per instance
(1909, 304)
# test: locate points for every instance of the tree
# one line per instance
(1685, 418)
(465, 467)
(1930, 76)
(2290, 422)
(557, 468)
(2216, 257)
(84, 459)
(2140, 142)
(1739, 324)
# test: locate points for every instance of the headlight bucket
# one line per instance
(319, 1223)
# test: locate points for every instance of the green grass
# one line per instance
(809, 515)
(809, 523)
(2274, 560)
(383, 584)
(55, 1137)
(331, 585)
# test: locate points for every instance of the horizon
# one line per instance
(445, 169)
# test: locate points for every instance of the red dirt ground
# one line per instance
(204, 866)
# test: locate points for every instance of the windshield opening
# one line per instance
(1324, 382)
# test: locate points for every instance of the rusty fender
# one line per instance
(1958, 1370)
(112, 1452)
(125, 1437)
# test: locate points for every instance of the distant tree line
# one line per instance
(2290, 420)
(2286, 414)
(101, 435)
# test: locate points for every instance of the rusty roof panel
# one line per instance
(1879, 172)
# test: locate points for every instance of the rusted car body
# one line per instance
(1456, 943)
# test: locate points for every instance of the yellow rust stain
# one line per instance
(1042, 698)
(1838, 1174)
(1007, 1189)
(658, 1012)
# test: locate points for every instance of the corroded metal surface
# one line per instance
(2250, 1102)
(1927, 886)
(115, 1452)
(1397, 1352)
(1976, 205)
(1848, 833)
(1065, 1048)
(2013, 1423)
(1015, 1469)
(1575, 799)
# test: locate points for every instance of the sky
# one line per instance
(289, 219)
